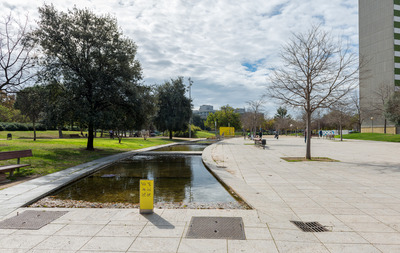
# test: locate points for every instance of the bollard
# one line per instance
(146, 196)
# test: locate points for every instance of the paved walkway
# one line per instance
(357, 199)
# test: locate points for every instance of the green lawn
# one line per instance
(204, 134)
(372, 137)
(51, 154)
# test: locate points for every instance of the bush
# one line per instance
(186, 133)
(14, 126)
(41, 127)
(22, 127)
(11, 127)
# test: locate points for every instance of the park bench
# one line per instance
(74, 136)
(12, 155)
(260, 142)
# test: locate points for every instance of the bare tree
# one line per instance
(317, 71)
(254, 117)
(340, 115)
(16, 61)
(382, 93)
(393, 108)
(355, 101)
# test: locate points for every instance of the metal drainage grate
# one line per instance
(216, 228)
(310, 226)
(31, 220)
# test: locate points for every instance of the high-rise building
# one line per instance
(379, 42)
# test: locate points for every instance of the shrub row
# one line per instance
(14, 126)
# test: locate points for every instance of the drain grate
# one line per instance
(216, 228)
(31, 220)
(310, 226)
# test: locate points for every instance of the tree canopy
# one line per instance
(89, 56)
(174, 109)
(225, 117)
(30, 102)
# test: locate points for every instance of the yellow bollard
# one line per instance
(146, 196)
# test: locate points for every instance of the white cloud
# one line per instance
(210, 41)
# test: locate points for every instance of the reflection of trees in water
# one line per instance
(120, 182)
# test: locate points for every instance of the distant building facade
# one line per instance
(379, 42)
(240, 110)
(204, 110)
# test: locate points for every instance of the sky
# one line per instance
(227, 47)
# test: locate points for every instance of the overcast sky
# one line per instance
(227, 47)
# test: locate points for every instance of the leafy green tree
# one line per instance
(95, 61)
(133, 113)
(282, 119)
(174, 108)
(393, 108)
(7, 111)
(58, 108)
(198, 121)
(31, 103)
(225, 117)
(281, 113)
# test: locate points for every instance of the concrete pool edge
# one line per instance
(234, 184)
(30, 191)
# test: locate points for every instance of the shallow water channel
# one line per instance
(183, 147)
(176, 179)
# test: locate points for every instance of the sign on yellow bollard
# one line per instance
(146, 196)
(227, 131)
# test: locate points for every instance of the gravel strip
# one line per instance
(50, 202)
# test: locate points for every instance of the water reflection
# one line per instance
(176, 179)
(183, 147)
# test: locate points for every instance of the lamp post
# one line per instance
(372, 124)
(291, 128)
(190, 98)
(215, 129)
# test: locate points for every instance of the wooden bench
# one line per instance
(260, 142)
(74, 136)
(12, 155)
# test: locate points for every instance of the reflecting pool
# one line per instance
(183, 147)
(176, 179)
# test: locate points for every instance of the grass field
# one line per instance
(372, 137)
(204, 134)
(51, 154)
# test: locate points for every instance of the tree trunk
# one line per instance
(34, 130)
(101, 133)
(60, 134)
(308, 139)
(384, 129)
(341, 132)
(170, 134)
(90, 136)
